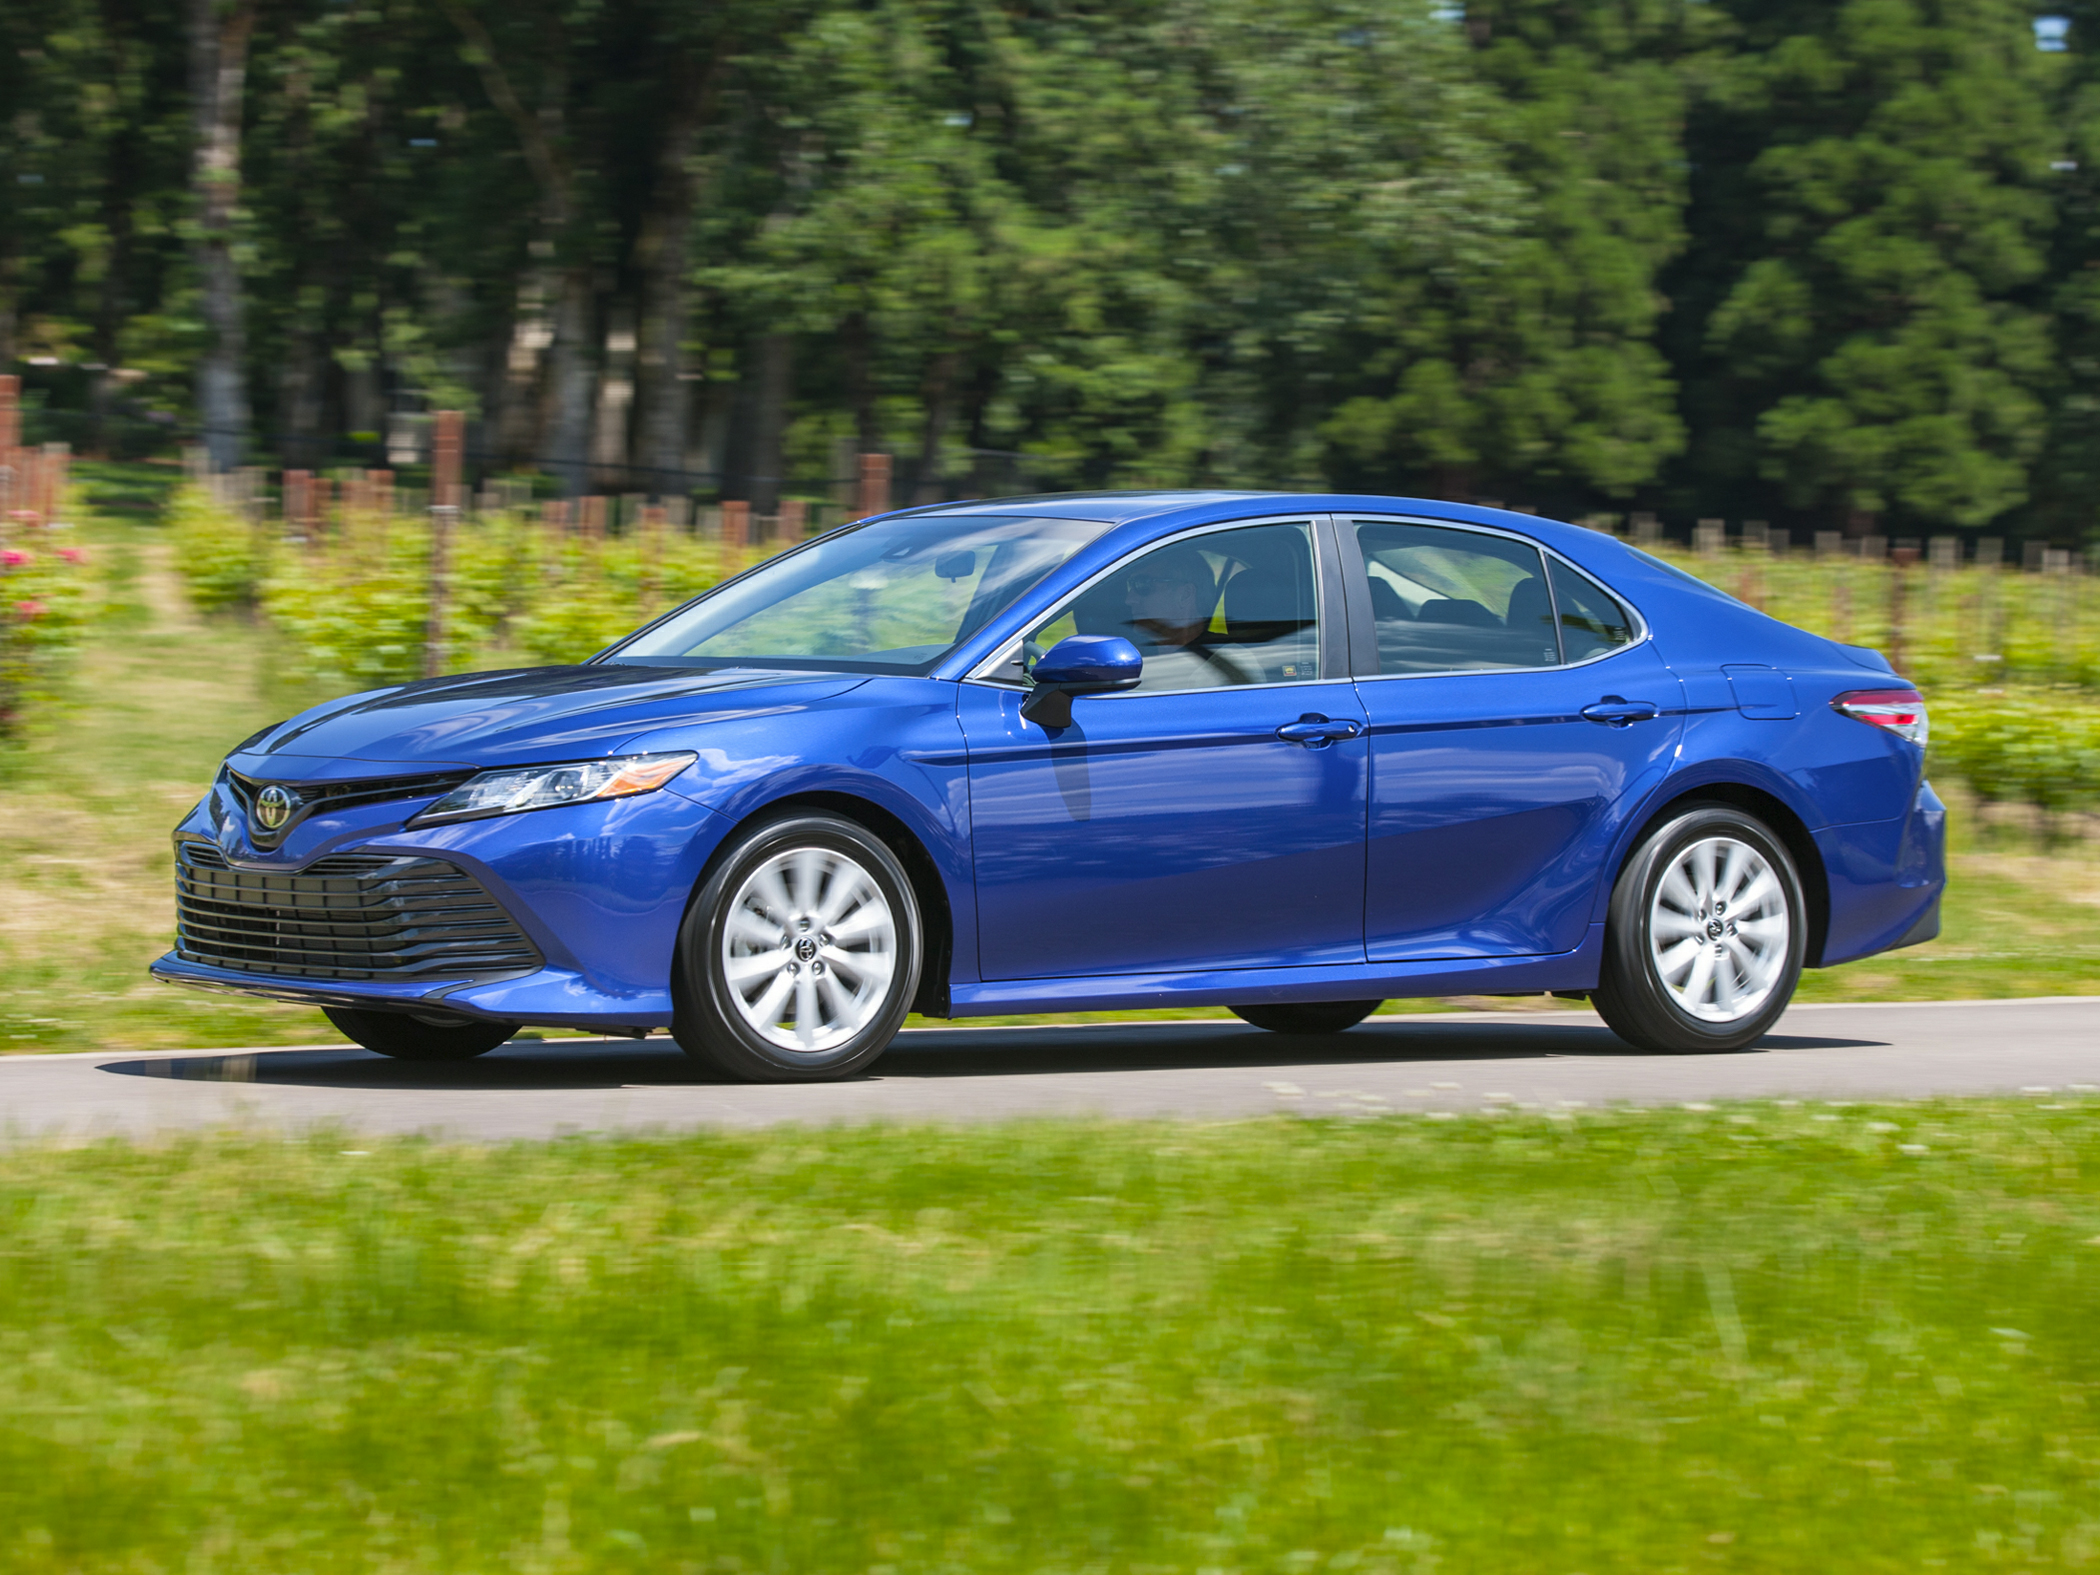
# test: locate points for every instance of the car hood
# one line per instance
(520, 717)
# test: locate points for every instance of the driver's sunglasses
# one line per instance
(1146, 584)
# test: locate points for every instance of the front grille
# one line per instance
(351, 916)
(363, 790)
(314, 798)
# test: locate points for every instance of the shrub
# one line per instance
(43, 609)
(357, 609)
(2039, 747)
(222, 557)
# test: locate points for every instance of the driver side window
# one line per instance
(1228, 609)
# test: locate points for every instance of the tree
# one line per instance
(1531, 368)
(1881, 339)
(219, 34)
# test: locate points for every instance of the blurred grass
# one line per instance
(1766, 1338)
(86, 899)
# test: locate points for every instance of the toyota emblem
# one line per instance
(273, 807)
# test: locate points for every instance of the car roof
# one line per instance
(1176, 508)
(1114, 508)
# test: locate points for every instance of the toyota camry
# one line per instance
(1291, 755)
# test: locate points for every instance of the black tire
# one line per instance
(714, 1022)
(1307, 1017)
(432, 1036)
(1632, 995)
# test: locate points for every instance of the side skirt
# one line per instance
(1575, 970)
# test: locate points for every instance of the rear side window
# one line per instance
(1591, 619)
(1445, 600)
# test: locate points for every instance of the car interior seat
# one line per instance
(1447, 609)
(1387, 604)
(1266, 601)
(1530, 607)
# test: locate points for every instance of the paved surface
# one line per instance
(1197, 1070)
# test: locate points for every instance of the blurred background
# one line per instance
(1805, 297)
(1830, 266)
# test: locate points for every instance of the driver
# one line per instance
(1168, 598)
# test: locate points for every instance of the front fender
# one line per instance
(894, 743)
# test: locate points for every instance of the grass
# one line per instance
(85, 811)
(1766, 1338)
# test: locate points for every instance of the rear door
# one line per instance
(1517, 714)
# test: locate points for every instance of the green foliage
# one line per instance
(1881, 325)
(222, 556)
(1814, 260)
(356, 608)
(2039, 747)
(44, 606)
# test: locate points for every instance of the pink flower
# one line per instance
(14, 558)
(30, 609)
(72, 554)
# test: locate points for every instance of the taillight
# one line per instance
(1901, 711)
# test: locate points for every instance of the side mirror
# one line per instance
(1081, 664)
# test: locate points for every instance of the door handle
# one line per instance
(1616, 712)
(1315, 731)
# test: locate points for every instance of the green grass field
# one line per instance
(1764, 1338)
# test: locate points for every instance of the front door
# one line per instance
(1211, 818)
(1515, 720)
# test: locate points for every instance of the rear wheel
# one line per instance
(1705, 937)
(1307, 1017)
(425, 1036)
(800, 956)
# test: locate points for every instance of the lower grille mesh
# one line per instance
(352, 916)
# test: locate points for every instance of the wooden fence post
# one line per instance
(444, 510)
(294, 502)
(736, 528)
(10, 436)
(874, 484)
(1899, 600)
(794, 519)
(650, 552)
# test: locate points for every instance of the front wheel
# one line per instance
(800, 957)
(428, 1036)
(1705, 936)
(1307, 1017)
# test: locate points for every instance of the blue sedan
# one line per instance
(1292, 755)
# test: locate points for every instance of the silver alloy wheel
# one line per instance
(1719, 929)
(809, 949)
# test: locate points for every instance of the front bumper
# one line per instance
(600, 889)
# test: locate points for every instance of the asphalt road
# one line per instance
(1199, 1070)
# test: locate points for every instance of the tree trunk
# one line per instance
(569, 380)
(565, 422)
(219, 36)
(776, 377)
(299, 404)
(612, 421)
(663, 255)
(110, 303)
(940, 410)
(858, 351)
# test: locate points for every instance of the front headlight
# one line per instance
(542, 787)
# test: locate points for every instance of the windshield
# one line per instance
(892, 597)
